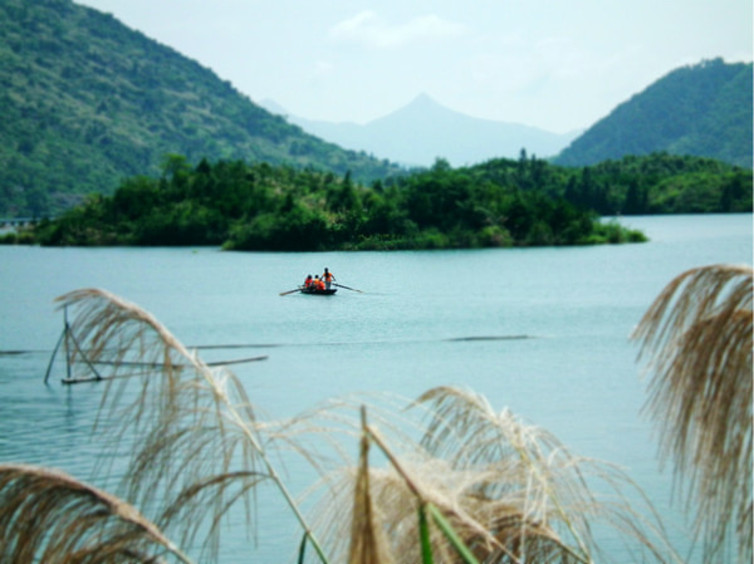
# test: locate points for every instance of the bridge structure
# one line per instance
(17, 221)
(9, 224)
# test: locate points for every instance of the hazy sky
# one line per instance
(558, 65)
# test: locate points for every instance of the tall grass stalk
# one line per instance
(549, 503)
(424, 537)
(468, 468)
(202, 445)
(48, 516)
(424, 505)
(463, 482)
(697, 340)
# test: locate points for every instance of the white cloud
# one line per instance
(371, 30)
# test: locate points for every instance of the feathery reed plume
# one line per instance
(511, 492)
(508, 491)
(199, 445)
(546, 500)
(47, 516)
(450, 519)
(697, 336)
(368, 543)
(371, 514)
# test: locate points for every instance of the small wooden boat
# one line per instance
(315, 292)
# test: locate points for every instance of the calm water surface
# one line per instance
(425, 319)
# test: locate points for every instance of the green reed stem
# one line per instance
(451, 535)
(437, 516)
(424, 536)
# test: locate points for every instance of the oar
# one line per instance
(290, 292)
(346, 287)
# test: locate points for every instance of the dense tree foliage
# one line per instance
(703, 110)
(87, 101)
(503, 202)
(655, 184)
(662, 183)
(260, 207)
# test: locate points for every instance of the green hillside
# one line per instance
(88, 102)
(703, 110)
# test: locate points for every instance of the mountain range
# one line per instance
(702, 110)
(88, 101)
(424, 130)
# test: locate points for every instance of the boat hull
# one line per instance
(311, 292)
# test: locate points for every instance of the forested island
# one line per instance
(500, 203)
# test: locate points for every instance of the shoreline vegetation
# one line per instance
(500, 203)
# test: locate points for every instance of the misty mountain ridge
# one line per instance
(88, 102)
(424, 130)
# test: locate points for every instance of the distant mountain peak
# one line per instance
(423, 130)
(424, 100)
(423, 108)
(425, 104)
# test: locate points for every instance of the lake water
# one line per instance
(417, 325)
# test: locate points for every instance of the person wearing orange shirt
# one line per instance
(318, 283)
(328, 278)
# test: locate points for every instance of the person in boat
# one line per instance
(328, 278)
(318, 284)
(309, 283)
